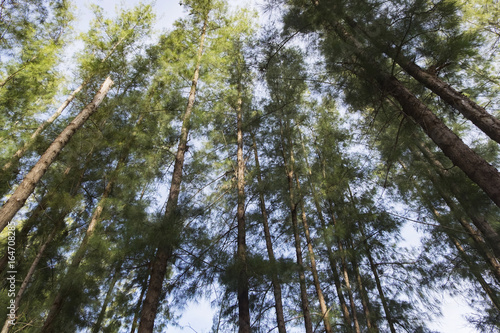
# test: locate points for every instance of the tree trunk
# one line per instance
(165, 251)
(329, 248)
(280, 319)
(495, 300)
(243, 301)
(298, 248)
(20, 152)
(108, 298)
(317, 285)
(22, 238)
(381, 293)
(476, 237)
(489, 234)
(372, 326)
(139, 302)
(469, 109)
(27, 186)
(345, 273)
(474, 166)
(28, 276)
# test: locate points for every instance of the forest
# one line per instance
(276, 162)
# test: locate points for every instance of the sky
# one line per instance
(197, 316)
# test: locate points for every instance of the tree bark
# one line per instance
(289, 171)
(381, 293)
(372, 326)
(27, 186)
(331, 256)
(280, 319)
(486, 122)
(317, 285)
(165, 251)
(345, 273)
(139, 301)
(489, 234)
(77, 258)
(20, 152)
(474, 166)
(107, 299)
(243, 301)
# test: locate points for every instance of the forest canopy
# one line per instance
(277, 162)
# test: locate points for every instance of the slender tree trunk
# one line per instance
(28, 276)
(27, 186)
(474, 166)
(298, 248)
(476, 237)
(139, 302)
(20, 152)
(11, 76)
(495, 300)
(165, 251)
(373, 268)
(280, 319)
(317, 285)
(329, 248)
(107, 299)
(243, 301)
(372, 326)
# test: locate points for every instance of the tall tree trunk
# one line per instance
(278, 303)
(20, 152)
(474, 166)
(372, 326)
(488, 232)
(470, 263)
(27, 186)
(27, 278)
(289, 170)
(139, 302)
(494, 298)
(243, 301)
(317, 285)
(345, 273)
(22, 237)
(373, 268)
(60, 298)
(107, 299)
(476, 237)
(165, 251)
(486, 122)
(329, 248)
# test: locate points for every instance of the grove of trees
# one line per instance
(272, 161)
